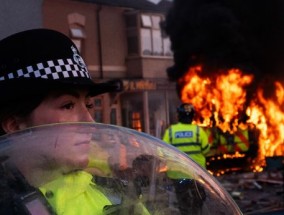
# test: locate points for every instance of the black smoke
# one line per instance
(222, 34)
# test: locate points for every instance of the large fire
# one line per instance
(221, 101)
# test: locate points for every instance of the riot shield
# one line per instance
(92, 168)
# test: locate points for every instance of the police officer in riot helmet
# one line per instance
(192, 140)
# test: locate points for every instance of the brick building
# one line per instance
(118, 39)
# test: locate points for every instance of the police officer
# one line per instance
(44, 80)
(187, 137)
(192, 140)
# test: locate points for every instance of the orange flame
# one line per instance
(221, 101)
(223, 98)
(268, 117)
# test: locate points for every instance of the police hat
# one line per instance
(41, 59)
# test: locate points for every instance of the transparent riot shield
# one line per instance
(91, 168)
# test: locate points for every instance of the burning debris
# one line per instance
(228, 61)
(222, 103)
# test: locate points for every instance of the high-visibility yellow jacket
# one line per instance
(237, 142)
(76, 193)
(190, 139)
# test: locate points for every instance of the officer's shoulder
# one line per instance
(173, 125)
(203, 129)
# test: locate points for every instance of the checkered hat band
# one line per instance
(52, 70)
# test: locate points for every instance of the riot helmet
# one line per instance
(185, 113)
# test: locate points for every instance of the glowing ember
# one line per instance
(221, 102)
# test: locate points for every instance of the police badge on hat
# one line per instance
(77, 58)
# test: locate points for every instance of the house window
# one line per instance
(167, 47)
(132, 111)
(136, 121)
(146, 21)
(77, 35)
(146, 41)
(144, 35)
(77, 29)
(157, 42)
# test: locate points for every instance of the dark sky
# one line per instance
(220, 34)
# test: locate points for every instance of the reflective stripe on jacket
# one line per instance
(237, 142)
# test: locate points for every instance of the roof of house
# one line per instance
(143, 5)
